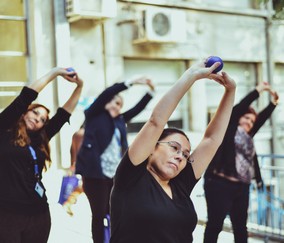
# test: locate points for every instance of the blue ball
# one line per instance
(211, 60)
(70, 69)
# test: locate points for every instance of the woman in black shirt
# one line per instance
(234, 166)
(25, 131)
(150, 200)
(104, 143)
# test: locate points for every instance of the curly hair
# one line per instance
(21, 137)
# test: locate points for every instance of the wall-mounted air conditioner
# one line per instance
(90, 9)
(161, 26)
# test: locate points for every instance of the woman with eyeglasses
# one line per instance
(150, 200)
(234, 166)
(25, 132)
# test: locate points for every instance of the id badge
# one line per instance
(39, 189)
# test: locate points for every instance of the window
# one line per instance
(13, 49)
(245, 77)
(164, 73)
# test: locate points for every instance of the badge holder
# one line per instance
(39, 188)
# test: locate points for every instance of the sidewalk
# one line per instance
(77, 228)
(71, 229)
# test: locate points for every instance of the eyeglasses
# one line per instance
(176, 147)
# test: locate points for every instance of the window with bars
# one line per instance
(13, 49)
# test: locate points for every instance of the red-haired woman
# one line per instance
(234, 166)
(25, 132)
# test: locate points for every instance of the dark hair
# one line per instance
(36, 105)
(172, 130)
(21, 137)
(251, 110)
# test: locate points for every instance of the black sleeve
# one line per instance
(241, 108)
(56, 122)
(262, 118)
(10, 115)
(127, 173)
(186, 178)
(258, 177)
(128, 115)
(106, 96)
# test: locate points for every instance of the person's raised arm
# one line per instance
(216, 129)
(72, 77)
(263, 86)
(145, 141)
(274, 97)
(40, 83)
(71, 103)
(264, 114)
(141, 80)
(140, 106)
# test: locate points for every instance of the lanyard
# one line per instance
(33, 153)
(117, 136)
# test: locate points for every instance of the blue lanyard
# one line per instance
(117, 136)
(33, 153)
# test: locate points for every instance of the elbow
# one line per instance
(215, 142)
(153, 121)
(156, 122)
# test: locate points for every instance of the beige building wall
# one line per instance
(234, 31)
(109, 47)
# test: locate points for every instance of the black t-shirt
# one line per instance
(17, 175)
(141, 211)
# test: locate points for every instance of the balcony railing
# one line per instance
(266, 210)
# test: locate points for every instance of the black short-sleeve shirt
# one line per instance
(141, 211)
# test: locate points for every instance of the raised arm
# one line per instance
(72, 77)
(263, 86)
(71, 103)
(274, 97)
(146, 139)
(40, 83)
(267, 111)
(141, 80)
(216, 129)
(140, 106)
(63, 114)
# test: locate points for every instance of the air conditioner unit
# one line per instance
(90, 9)
(161, 26)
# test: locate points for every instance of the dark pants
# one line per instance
(16, 228)
(98, 194)
(224, 197)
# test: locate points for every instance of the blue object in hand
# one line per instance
(70, 69)
(211, 60)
